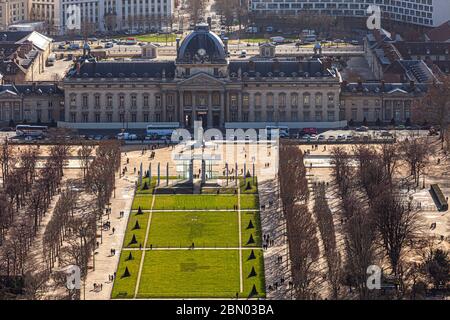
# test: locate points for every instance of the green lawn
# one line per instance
(248, 186)
(190, 274)
(204, 229)
(257, 280)
(249, 201)
(154, 37)
(147, 187)
(139, 233)
(182, 202)
(255, 232)
(124, 287)
(142, 200)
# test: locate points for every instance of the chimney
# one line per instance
(251, 66)
(383, 85)
(33, 86)
(78, 68)
(412, 85)
(344, 84)
(360, 85)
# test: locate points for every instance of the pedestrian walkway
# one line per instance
(105, 263)
(276, 257)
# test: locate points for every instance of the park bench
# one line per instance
(438, 196)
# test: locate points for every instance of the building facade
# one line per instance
(32, 103)
(12, 11)
(202, 84)
(380, 102)
(91, 16)
(430, 13)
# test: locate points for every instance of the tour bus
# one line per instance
(160, 131)
(30, 131)
(283, 131)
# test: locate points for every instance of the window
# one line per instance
(146, 118)
(122, 117)
(158, 101)
(318, 100)
(257, 115)
(146, 100)
(97, 101)
(282, 100)
(109, 100)
(318, 115)
(294, 116)
(73, 117)
(245, 116)
(133, 101)
(85, 101)
(306, 116)
(187, 99)
(109, 117)
(133, 117)
(330, 99)
(170, 100)
(257, 100)
(306, 99)
(269, 102)
(354, 114)
(294, 100)
(97, 117)
(330, 116)
(269, 115)
(121, 101)
(85, 117)
(73, 100)
(233, 100)
(245, 100)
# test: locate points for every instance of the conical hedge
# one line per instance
(250, 225)
(252, 273)
(126, 273)
(133, 240)
(130, 257)
(136, 225)
(251, 240)
(251, 256)
(254, 292)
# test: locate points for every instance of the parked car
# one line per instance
(362, 129)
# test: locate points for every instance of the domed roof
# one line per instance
(201, 46)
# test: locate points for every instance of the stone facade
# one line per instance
(32, 103)
(202, 84)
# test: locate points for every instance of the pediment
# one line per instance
(5, 94)
(202, 79)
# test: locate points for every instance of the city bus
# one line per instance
(23, 130)
(160, 131)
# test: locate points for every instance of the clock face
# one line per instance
(201, 52)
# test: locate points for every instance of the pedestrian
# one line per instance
(113, 229)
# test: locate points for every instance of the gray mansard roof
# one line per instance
(377, 88)
(274, 68)
(132, 69)
(31, 89)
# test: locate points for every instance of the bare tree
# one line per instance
(415, 153)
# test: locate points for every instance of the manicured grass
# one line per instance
(150, 186)
(139, 233)
(249, 201)
(257, 280)
(154, 37)
(255, 232)
(204, 229)
(248, 186)
(124, 287)
(190, 274)
(142, 200)
(187, 202)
